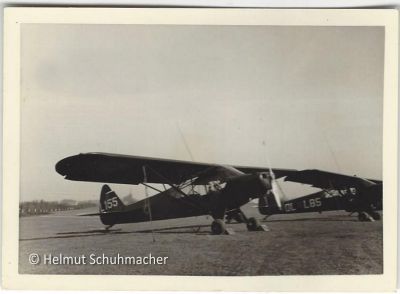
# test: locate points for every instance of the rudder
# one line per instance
(109, 200)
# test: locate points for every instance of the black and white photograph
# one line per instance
(202, 149)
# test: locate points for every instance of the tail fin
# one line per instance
(109, 200)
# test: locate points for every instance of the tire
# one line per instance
(253, 224)
(218, 227)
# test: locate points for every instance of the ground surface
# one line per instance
(300, 244)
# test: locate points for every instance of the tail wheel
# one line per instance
(253, 224)
(218, 227)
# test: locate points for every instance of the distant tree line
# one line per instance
(37, 207)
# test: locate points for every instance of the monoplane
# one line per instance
(183, 188)
(338, 192)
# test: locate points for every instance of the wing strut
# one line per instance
(176, 188)
(148, 202)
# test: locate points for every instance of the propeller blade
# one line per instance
(277, 193)
(276, 190)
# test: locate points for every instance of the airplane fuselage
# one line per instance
(365, 200)
(237, 192)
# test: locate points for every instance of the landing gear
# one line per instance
(240, 218)
(365, 217)
(253, 224)
(108, 227)
(218, 227)
(236, 215)
(375, 215)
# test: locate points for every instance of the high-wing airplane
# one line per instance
(188, 188)
(339, 192)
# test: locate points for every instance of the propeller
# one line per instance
(276, 189)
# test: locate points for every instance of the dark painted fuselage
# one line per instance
(367, 200)
(173, 203)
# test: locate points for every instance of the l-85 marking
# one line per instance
(312, 202)
(306, 204)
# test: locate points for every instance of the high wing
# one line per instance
(328, 180)
(278, 172)
(378, 182)
(125, 169)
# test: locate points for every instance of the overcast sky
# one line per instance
(312, 94)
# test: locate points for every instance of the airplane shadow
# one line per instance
(177, 230)
(104, 231)
(192, 229)
(196, 229)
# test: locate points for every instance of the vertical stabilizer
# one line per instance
(109, 200)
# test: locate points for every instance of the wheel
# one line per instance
(253, 224)
(218, 227)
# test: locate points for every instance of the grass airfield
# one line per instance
(298, 244)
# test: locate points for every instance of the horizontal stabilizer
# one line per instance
(100, 213)
(89, 214)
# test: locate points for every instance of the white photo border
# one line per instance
(14, 17)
